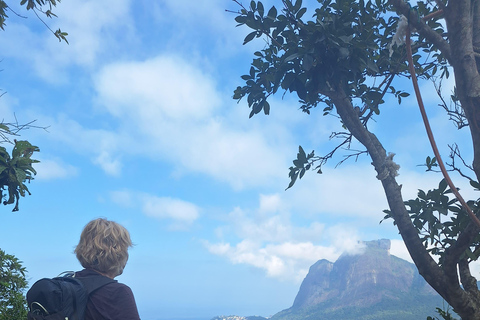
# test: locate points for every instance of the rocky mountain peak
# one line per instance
(357, 279)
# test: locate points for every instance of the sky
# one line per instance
(142, 129)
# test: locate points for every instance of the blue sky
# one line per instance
(142, 129)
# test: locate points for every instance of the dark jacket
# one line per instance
(113, 301)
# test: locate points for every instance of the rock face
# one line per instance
(372, 281)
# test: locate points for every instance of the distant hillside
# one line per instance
(373, 285)
(238, 318)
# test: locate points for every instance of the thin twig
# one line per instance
(455, 151)
(46, 25)
(15, 13)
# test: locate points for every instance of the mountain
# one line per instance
(238, 318)
(373, 285)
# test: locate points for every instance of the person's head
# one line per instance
(103, 246)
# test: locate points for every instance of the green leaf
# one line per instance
(300, 13)
(372, 66)
(249, 37)
(23, 148)
(260, 9)
(20, 175)
(4, 127)
(475, 184)
(296, 7)
(241, 19)
(293, 177)
(302, 172)
(442, 185)
(470, 254)
(266, 108)
(301, 155)
(272, 13)
(307, 62)
(288, 80)
(292, 57)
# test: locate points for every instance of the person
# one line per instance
(103, 250)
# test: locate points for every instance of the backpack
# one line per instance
(62, 298)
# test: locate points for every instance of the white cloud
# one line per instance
(89, 24)
(475, 269)
(109, 165)
(349, 190)
(398, 249)
(165, 207)
(269, 240)
(285, 261)
(269, 203)
(276, 260)
(167, 109)
(177, 213)
(174, 109)
(101, 146)
(159, 89)
(182, 213)
(48, 169)
(207, 21)
(123, 198)
(274, 227)
(354, 191)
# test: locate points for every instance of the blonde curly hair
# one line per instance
(103, 246)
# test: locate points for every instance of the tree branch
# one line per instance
(455, 152)
(452, 256)
(427, 267)
(468, 281)
(415, 20)
(460, 31)
(456, 113)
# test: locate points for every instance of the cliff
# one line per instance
(369, 285)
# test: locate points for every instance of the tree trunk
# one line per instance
(460, 16)
(445, 283)
(463, 24)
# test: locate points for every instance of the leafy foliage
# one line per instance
(445, 314)
(341, 47)
(347, 58)
(15, 170)
(440, 219)
(404, 307)
(12, 287)
(43, 7)
(346, 46)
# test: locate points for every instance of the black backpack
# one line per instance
(62, 298)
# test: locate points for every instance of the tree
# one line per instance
(12, 286)
(16, 169)
(38, 8)
(347, 59)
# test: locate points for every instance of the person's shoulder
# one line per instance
(118, 288)
(83, 273)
